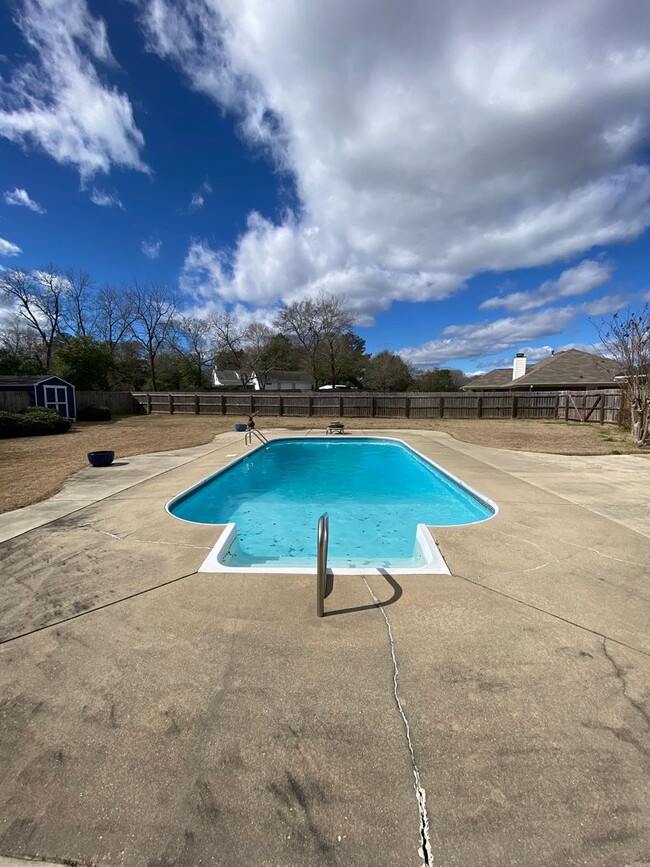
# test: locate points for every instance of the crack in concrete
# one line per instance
(602, 554)
(620, 675)
(142, 541)
(420, 794)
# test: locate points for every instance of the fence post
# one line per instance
(223, 404)
(310, 405)
(566, 407)
(514, 406)
(171, 403)
(557, 405)
(407, 406)
(197, 404)
(148, 404)
(281, 405)
(442, 406)
(373, 407)
(340, 406)
(479, 406)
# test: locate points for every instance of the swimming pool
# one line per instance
(379, 493)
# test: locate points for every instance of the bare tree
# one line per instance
(336, 320)
(79, 311)
(20, 345)
(299, 322)
(39, 298)
(386, 371)
(257, 338)
(154, 310)
(191, 340)
(229, 341)
(114, 315)
(625, 337)
(318, 326)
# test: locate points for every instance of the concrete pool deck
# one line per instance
(153, 716)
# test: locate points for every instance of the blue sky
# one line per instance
(473, 182)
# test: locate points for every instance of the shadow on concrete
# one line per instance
(397, 594)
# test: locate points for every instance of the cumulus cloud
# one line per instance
(9, 249)
(22, 198)
(104, 199)
(152, 247)
(57, 101)
(478, 339)
(425, 147)
(588, 275)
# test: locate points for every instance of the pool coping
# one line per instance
(435, 563)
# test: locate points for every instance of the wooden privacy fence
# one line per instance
(119, 402)
(13, 401)
(584, 406)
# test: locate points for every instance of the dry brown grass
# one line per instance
(33, 468)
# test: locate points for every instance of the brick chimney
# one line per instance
(518, 366)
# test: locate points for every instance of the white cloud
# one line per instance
(426, 147)
(9, 249)
(152, 247)
(22, 198)
(532, 353)
(478, 339)
(580, 280)
(104, 199)
(58, 103)
(196, 202)
(198, 197)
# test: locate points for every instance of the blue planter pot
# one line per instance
(241, 427)
(101, 459)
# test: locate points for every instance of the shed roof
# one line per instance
(29, 380)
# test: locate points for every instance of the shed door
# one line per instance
(56, 397)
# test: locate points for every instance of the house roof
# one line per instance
(571, 367)
(28, 380)
(566, 369)
(288, 376)
(496, 378)
(227, 377)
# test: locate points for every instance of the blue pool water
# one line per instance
(375, 491)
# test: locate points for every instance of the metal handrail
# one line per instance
(248, 438)
(321, 563)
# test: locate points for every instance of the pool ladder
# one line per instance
(248, 438)
(321, 563)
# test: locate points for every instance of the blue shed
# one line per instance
(48, 391)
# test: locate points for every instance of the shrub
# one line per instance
(11, 425)
(94, 413)
(37, 421)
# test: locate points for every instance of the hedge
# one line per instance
(94, 413)
(32, 421)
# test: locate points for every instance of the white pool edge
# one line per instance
(435, 563)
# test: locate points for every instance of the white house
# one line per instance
(276, 380)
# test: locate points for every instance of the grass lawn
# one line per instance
(34, 468)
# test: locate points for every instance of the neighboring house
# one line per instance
(226, 378)
(276, 380)
(571, 370)
(47, 391)
(287, 380)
